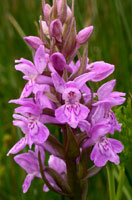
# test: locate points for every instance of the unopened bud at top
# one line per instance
(62, 10)
(83, 35)
(33, 41)
(46, 11)
(56, 29)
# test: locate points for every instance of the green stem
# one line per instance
(111, 182)
(120, 183)
(124, 189)
(18, 28)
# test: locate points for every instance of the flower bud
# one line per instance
(58, 61)
(46, 11)
(83, 35)
(56, 29)
(70, 41)
(45, 28)
(62, 10)
(33, 41)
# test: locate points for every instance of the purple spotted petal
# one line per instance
(40, 59)
(99, 159)
(104, 150)
(116, 145)
(112, 121)
(26, 109)
(28, 89)
(38, 134)
(71, 114)
(22, 125)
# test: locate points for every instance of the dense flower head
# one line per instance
(60, 91)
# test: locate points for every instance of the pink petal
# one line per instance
(40, 59)
(59, 83)
(18, 146)
(33, 41)
(106, 89)
(38, 137)
(27, 90)
(26, 69)
(60, 114)
(84, 126)
(57, 164)
(116, 145)
(27, 182)
(82, 79)
(99, 159)
(22, 125)
(41, 79)
(102, 70)
(83, 112)
(28, 161)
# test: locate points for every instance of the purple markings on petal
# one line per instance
(40, 60)
(105, 149)
(116, 145)
(72, 112)
(28, 89)
(30, 124)
(112, 121)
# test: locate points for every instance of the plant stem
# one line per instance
(111, 182)
(120, 183)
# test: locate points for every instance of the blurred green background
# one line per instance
(111, 41)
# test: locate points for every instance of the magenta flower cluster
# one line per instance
(62, 92)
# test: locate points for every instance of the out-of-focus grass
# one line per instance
(111, 41)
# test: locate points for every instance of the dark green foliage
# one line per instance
(124, 114)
